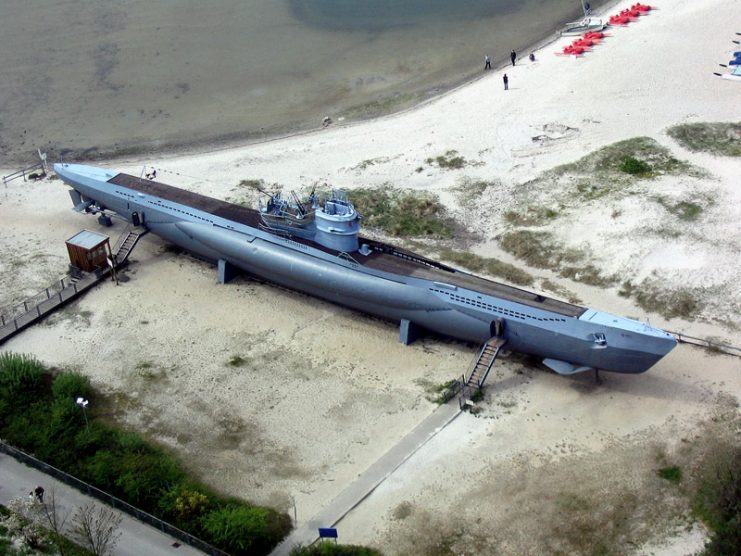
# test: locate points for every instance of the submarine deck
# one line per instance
(383, 257)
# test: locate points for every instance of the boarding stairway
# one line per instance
(16, 318)
(125, 245)
(480, 368)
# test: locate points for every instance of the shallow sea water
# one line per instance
(90, 78)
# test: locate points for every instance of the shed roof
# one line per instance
(87, 239)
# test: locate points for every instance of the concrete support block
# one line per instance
(407, 332)
(227, 271)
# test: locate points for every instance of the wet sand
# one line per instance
(87, 80)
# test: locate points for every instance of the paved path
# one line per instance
(137, 538)
(306, 533)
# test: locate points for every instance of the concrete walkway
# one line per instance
(306, 533)
(17, 480)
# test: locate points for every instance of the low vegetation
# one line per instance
(451, 160)
(469, 191)
(673, 473)
(38, 414)
(541, 250)
(688, 211)
(639, 156)
(532, 216)
(440, 393)
(717, 500)
(486, 265)
(328, 548)
(631, 165)
(654, 297)
(715, 138)
(403, 213)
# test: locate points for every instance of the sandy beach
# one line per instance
(283, 399)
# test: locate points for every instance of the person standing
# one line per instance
(513, 57)
(506, 82)
(487, 63)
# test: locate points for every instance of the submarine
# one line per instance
(316, 248)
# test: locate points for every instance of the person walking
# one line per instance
(487, 63)
(513, 57)
(39, 492)
(506, 82)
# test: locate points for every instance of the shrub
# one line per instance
(673, 474)
(631, 165)
(246, 530)
(327, 548)
(71, 385)
(20, 381)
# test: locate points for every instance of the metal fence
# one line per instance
(112, 501)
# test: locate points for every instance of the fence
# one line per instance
(23, 172)
(112, 501)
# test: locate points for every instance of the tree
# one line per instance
(96, 528)
(52, 519)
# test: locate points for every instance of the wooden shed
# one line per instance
(88, 250)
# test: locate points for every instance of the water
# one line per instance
(98, 77)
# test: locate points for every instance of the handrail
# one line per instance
(111, 500)
(703, 342)
(22, 172)
(12, 311)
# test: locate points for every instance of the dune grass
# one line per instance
(716, 138)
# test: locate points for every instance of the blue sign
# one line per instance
(327, 533)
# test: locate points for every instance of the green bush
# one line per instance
(20, 381)
(70, 386)
(328, 548)
(631, 165)
(673, 474)
(246, 530)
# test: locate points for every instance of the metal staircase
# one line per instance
(473, 382)
(484, 362)
(125, 245)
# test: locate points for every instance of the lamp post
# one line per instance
(82, 402)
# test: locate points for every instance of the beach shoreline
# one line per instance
(207, 141)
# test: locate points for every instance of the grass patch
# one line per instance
(492, 267)
(532, 216)
(651, 296)
(673, 474)
(440, 393)
(715, 138)
(469, 191)
(329, 548)
(684, 210)
(635, 167)
(38, 414)
(717, 501)
(541, 250)
(236, 361)
(451, 160)
(616, 159)
(403, 213)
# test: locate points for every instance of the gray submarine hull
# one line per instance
(568, 343)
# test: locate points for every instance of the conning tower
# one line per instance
(337, 224)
